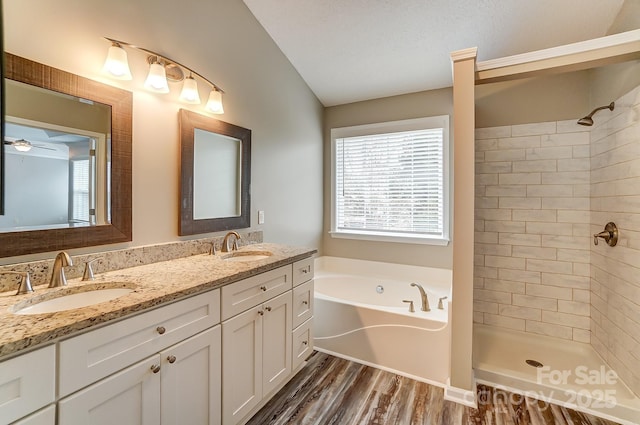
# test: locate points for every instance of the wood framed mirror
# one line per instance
(215, 175)
(114, 224)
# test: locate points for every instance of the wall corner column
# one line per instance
(463, 63)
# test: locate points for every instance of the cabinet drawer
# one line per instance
(240, 296)
(302, 271)
(302, 343)
(27, 383)
(302, 303)
(91, 356)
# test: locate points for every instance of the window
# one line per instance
(80, 190)
(389, 181)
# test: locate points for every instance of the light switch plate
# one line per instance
(260, 217)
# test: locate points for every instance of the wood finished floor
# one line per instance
(333, 391)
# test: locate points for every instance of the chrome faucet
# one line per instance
(57, 277)
(225, 242)
(423, 295)
(24, 287)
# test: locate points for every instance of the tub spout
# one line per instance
(423, 296)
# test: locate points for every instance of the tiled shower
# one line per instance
(542, 191)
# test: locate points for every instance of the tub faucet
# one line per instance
(57, 277)
(423, 296)
(225, 242)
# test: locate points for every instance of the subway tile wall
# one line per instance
(532, 239)
(542, 191)
(615, 272)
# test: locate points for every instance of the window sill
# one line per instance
(380, 237)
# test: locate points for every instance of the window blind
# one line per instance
(80, 193)
(391, 183)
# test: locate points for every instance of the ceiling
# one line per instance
(353, 50)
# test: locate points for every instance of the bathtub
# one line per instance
(359, 315)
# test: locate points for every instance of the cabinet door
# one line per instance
(276, 342)
(27, 383)
(190, 381)
(241, 364)
(131, 396)
(46, 416)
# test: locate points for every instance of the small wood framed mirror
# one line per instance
(215, 171)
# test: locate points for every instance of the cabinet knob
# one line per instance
(260, 312)
(268, 308)
(161, 329)
(264, 288)
(155, 368)
(171, 359)
(305, 302)
(305, 342)
(305, 271)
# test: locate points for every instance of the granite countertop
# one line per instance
(154, 284)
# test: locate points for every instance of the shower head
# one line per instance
(588, 120)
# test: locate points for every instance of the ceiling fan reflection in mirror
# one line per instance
(23, 145)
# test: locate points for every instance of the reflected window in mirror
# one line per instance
(215, 175)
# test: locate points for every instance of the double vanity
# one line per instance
(204, 339)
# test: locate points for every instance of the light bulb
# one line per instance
(117, 64)
(214, 104)
(157, 79)
(22, 145)
(189, 92)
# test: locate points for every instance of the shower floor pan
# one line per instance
(563, 372)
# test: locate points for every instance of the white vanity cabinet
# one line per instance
(160, 367)
(256, 344)
(27, 384)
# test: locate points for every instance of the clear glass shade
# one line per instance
(157, 79)
(214, 104)
(190, 91)
(117, 64)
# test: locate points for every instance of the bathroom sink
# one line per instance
(246, 256)
(71, 298)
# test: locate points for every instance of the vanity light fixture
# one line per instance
(162, 70)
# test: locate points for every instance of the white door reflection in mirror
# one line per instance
(217, 181)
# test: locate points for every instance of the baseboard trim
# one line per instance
(462, 396)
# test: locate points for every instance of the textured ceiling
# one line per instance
(352, 50)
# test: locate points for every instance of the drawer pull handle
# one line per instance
(305, 342)
(263, 288)
(260, 312)
(171, 359)
(155, 368)
(268, 308)
(305, 302)
(161, 330)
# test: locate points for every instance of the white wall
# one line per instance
(221, 40)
